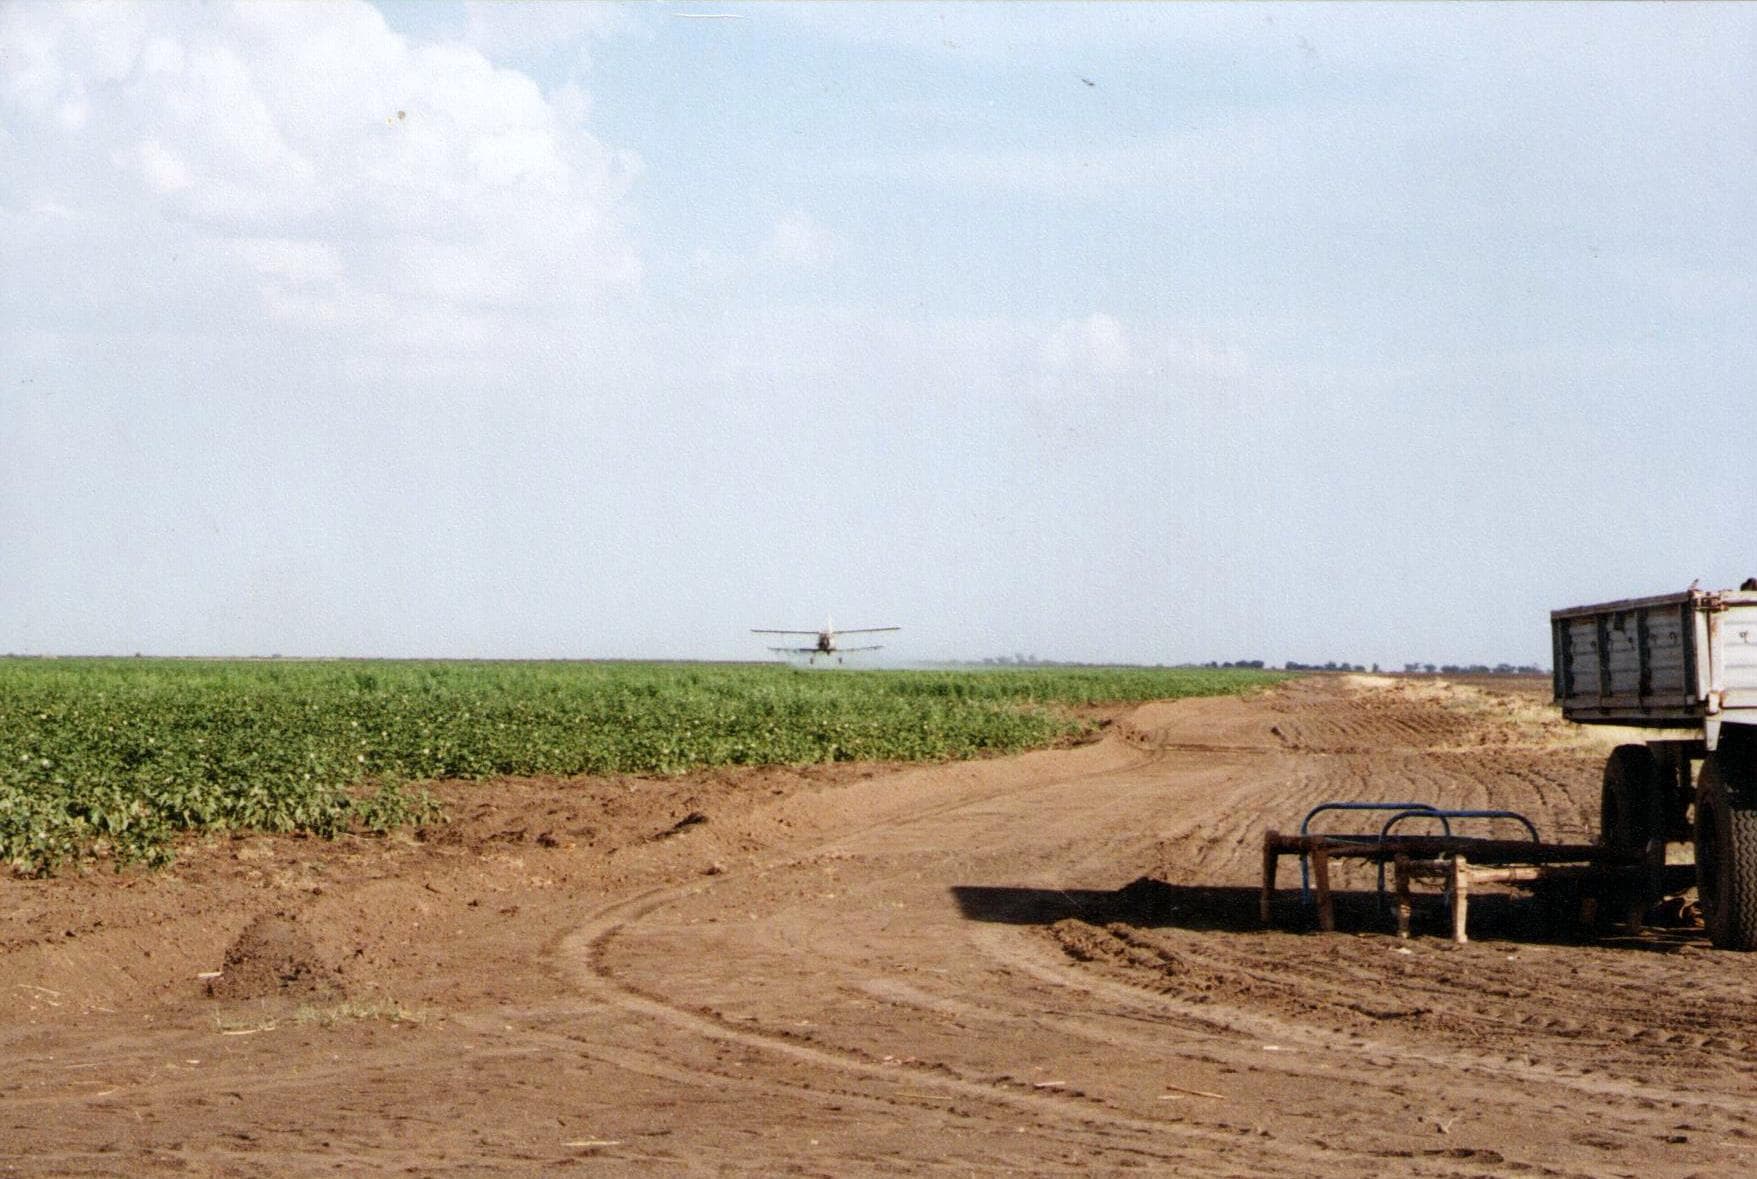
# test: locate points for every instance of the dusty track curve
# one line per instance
(1048, 963)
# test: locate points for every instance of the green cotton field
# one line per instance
(112, 759)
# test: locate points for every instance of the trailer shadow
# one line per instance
(1146, 903)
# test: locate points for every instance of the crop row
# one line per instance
(111, 758)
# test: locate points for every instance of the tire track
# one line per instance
(1079, 1115)
(1255, 1025)
(588, 951)
(1352, 1037)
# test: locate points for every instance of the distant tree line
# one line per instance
(1293, 665)
(1475, 669)
(1034, 661)
(1408, 668)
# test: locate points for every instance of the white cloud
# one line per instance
(296, 263)
(1000, 363)
(1094, 348)
(797, 240)
(304, 160)
(1099, 356)
(164, 170)
(538, 32)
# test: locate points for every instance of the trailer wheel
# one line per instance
(1629, 804)
(1726, 850)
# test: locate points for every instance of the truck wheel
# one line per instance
(1629, 804)
(1726, 850)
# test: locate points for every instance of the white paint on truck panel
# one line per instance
(1678, 639)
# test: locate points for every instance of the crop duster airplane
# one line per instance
(826, 640)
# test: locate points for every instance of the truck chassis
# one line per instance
(1686, 666)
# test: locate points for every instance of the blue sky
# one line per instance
(1144, 333)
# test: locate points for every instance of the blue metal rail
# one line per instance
(1305, 828)
(1403, 811)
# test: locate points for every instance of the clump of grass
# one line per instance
(232, 1025)
(358, 1010)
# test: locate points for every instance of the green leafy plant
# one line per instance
(111, 759)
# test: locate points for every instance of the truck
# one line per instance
(1683, 665)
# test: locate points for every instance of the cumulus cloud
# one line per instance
(1041, 367)
(1094, 349)
(1101, 356)
(272, 164)
(797, 240)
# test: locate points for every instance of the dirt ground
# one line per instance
(1049, 963)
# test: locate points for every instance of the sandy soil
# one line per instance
(1048, 963)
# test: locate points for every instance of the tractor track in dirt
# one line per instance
(586, 950)
(1049, 963)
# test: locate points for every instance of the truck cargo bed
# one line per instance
(1684, 660)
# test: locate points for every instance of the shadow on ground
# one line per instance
(1546, 917)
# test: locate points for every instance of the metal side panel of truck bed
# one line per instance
(1684, 660)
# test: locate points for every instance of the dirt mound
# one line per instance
(272, 956)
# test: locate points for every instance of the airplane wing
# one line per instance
(840, 650)
(866, 630)
(757, 630)
(795, 650)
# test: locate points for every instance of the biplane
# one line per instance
(825, 640)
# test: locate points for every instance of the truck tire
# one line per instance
(1726, 849)
(1631, 815)
(1629, 804)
